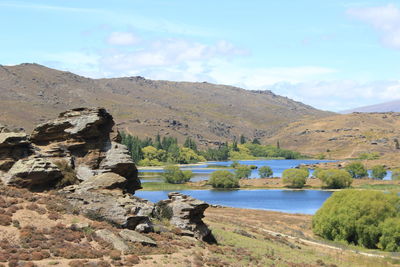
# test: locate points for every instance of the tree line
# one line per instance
(161, 150)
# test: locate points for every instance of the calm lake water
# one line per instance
(201, 172)
(289, 201)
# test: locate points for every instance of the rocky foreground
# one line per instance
(67, 199)
(78, 159)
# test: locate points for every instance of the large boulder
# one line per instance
(106, 201)
(87, 138)
(185, 213)
(32, 172)
(13, 146)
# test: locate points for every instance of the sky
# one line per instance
(333, 55)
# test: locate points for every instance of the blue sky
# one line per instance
(333, 55)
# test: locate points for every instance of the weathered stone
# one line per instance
(117, 242)
(135, 237)
(118, 160)
(87, 137)
(185, 213)
(122, 210)
(13, 146)
(32, 172)
(104, 181)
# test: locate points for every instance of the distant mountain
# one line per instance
(392, 106)
(31, 93)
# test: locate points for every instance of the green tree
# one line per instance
(334, 178)
(354, 216)
(242, 172)
(378, 172)
(235, 145)
(242, 139)
(278, 145)
(190, 143)
(265, 171)
(295, 178)
(173, 175)
(396, 174)
(223, 179)
(256, 141)
(187, 155)
(390, 238)
(357, 170)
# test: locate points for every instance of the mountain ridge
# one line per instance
(210, 113)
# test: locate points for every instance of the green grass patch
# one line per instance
(380, 186)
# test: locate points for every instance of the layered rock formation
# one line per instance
(186, 213)
(84, 137)
(80, 151)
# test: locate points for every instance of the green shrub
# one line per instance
(69, 175)
(334, 178)
(235, 164)
(265, 171)
(355, 216)
(396, 174)
(223, 179)
(378, 172)
(242, 172)
(369, 156)
(295, 178)
(357, 170)
(390, 238)
(173, 175)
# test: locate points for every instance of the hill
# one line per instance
(343, 136)
(31, 93)
(392, 106)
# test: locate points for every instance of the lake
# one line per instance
(201, 172)
(289, 201)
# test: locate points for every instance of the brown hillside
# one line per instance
(343, 136)
(31, 93)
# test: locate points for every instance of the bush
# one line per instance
(396, 174)
(223, 179)
(265, 171)
(369, 156)
(295, 178)
(173, 175)
(242, 172)
(69, 174)
(355, 217)
(235, 164)
(334, 178)
(390, 239)
(378, 172)
(357, 170)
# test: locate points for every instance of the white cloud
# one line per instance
(122, 38)
(385, 19)
(341, 94)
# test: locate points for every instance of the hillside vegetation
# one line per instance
(356, 135)
(207, 112)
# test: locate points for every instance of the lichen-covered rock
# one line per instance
(33, 172)
(185, 213)
(117, 242)
(88, 138)
(13, 146)
(112, 205)
(104, 181)
(118, 160)
(135, 237)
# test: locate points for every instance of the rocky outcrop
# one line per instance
(185, 213)
(117, 242)
(32, 172)
(13, 146)
(102, 198)
(85, 138)
(135, 237)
